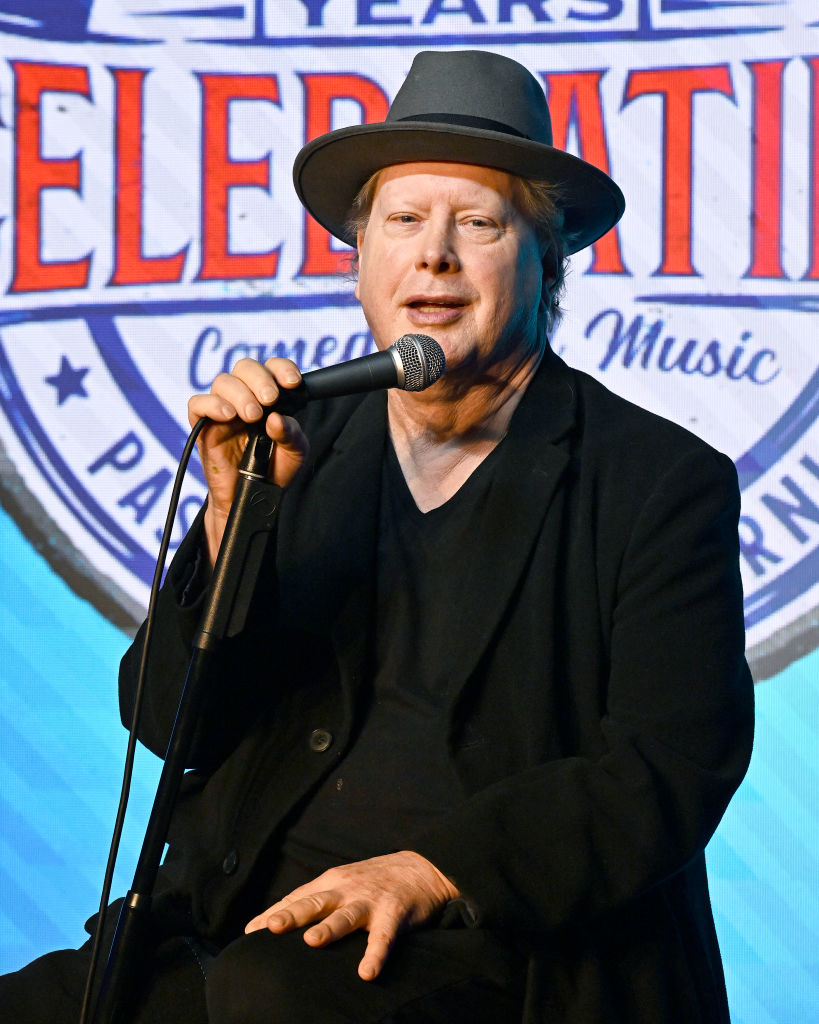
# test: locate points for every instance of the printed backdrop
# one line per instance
(150, 236)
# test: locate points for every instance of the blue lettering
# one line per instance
(733, 360)
(681, 361)
(315, 9)
(144, 496)
(735, 371)
(810, 465)
(752, 548)
(710, 363)
(122, 455)
(282, 350)
(639, 344)
(468, 7)
(535, 7)
(210, 355)
(611, 8)
(324, 349)
(364, 341)
(365, 14)
(209, 340)
(786, 512)
(627, 338)
(753, 366)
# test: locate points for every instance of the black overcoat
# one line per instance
(599, 705)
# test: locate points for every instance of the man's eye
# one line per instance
(482, 229)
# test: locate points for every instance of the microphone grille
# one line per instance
(422, 359)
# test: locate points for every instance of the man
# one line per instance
(491, 700)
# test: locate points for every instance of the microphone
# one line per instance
(412, 363)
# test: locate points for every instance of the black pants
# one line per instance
(433, 975)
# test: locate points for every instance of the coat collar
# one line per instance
(524, 485)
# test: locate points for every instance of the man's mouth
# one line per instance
(435, 305)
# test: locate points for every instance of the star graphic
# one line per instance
(68, 381)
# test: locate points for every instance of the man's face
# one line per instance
(446, 252)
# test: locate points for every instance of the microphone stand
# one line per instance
(252, 518)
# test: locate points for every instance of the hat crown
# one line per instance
(474, 88)
(463, 106)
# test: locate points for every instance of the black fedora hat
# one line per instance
(466, 106)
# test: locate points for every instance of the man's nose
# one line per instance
(437, 250)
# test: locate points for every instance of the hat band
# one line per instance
(466, 121)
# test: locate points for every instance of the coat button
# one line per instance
(320, 740)
(231, 862)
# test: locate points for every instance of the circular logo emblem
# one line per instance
(153, 238)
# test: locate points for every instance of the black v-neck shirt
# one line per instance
(397, 777)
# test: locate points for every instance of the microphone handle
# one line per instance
(367, 373)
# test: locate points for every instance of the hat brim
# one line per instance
(329, 171)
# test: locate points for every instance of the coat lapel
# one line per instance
(328, 541)
(356, 476)
(526, 478)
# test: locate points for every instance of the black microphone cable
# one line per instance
(132, 734)
(412, 363)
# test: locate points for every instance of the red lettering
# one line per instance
(130, 266)
(677, 87)
(34, 173)
(813, 219)
(320, 91)
(574, 101)
(766, 169)
(220, 174)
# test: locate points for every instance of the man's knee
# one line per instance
(263, 978)
(47, 991)
(431, 976)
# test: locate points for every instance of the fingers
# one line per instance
(383, 924)
(345, 919)
(236, 399)
(290, 450)
(382, 895)
(211, 406)
(250, 385)
(383, 934)
(242, 392)
(290, 913)
(334, 922)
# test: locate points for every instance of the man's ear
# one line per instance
(359, 241)
(550, 271)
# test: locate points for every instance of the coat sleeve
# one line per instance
(574, 838)
(240, 689)
(235, 682)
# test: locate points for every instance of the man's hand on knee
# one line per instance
(383, 895)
